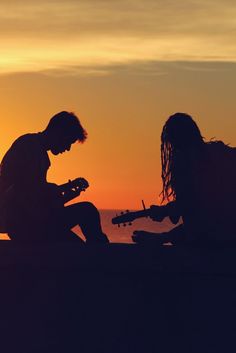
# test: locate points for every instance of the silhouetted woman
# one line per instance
(198, 185)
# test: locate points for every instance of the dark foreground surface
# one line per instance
(117, 298)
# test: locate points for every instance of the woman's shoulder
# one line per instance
(222, 155)
(220, 147)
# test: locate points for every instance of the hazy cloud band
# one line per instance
(63, 34)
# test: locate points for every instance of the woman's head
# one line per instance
(180, 133)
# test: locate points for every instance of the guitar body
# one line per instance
(52, 197)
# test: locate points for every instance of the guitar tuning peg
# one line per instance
(122, 213)
(127, 211)
(118, 225)
(130, 224)
(124, 225)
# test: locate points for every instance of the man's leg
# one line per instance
(58, 227)
(50, 232)
(86, 215)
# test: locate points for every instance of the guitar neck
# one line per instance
(130, 216)
(72, 189)
(140, 214)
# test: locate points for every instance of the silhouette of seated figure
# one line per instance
(198, 185)
(31, 209)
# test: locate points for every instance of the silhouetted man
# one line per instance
(199, 184)
(31, 209)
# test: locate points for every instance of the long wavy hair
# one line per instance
(180, 133)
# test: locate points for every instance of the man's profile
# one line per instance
(33, 209)
(198, 185)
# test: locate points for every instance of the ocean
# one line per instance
(123, 234)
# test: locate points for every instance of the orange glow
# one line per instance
(123, 115)
(123, 67)
(4, 237)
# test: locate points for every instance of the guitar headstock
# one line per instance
(125, 217)
(78, 184)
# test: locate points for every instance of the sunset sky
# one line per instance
(123, 67)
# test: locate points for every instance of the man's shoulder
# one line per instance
(30, 137)
(31, 140)
(27, 145)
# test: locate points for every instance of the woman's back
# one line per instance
(206, 191)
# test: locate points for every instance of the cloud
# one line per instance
(52, 35)
(80, 18)
(137, 69)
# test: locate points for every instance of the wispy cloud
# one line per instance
(59, 35)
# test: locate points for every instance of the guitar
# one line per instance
(67, 191)
(129, 217)
(73, 188)
(159, 212)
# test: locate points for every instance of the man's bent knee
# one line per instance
(88, 207)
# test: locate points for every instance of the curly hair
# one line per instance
(68, 123)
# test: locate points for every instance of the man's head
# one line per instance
(63, 130)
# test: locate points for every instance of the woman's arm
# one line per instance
(171, 210)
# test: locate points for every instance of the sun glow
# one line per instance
(123, 67)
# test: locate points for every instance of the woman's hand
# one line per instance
(157, 213)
